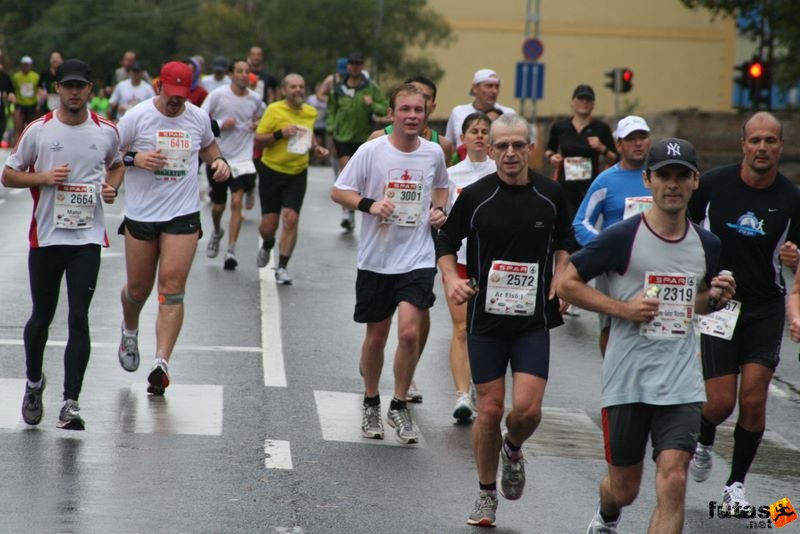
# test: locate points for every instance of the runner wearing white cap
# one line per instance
(485, 90)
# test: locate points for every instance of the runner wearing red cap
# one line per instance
(162, 138)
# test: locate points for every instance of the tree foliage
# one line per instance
(305, 36)
(759, 18)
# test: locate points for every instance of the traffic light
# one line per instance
(742, 78)
(612, 83)
(627, 80)
(757, 82)
(620, 80)
(755, 71)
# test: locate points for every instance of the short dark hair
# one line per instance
(424, 81)
(478, 116)
(235, 61)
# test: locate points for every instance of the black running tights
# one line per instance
(46, 267)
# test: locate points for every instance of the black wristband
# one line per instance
(223, 159)
(116, 191)
(441, 208)
(365, 204)
(278, 135)
(128, 158)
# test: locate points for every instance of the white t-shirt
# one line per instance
(457, 116)
(126, 95)
(235, 143)
(461, 175)
(388, 248)
(173, 190)
(90, 149)
(210, 83)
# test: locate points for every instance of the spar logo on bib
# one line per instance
(514, 268)
(669, 280)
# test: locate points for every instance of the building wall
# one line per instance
(680, 58)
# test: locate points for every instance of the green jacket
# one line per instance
(349, 120)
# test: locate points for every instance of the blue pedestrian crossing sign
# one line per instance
(529, 82)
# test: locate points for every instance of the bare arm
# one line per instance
(456, 288)
(213, 158)
(351, 200)
(573, 289)
(24, 179)
(114, 178)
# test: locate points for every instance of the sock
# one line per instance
(397, 404)
(490, 488)
(372, 401)
(129, 333)
(745, 445)
(708, 432)
(267, 244)
(510, 449)
(232, 247)
(35, 384)
(609, 519)
(283, 261)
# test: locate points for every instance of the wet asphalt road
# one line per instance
(230, 448)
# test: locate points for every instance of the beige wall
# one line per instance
(680, 58)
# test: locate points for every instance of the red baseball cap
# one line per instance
(176, 79)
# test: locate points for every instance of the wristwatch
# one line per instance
(128, 158)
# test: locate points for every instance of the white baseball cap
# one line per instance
(630, 124)
(26, 59)
(485, 75)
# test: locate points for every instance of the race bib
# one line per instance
(176, 146)
(300, 142)
(721, 323)
(405, 189)
(676, 297)
(74, 206)
(636, 205)
(577, 169)
(26, 90)
(512, 288)
(243, 168)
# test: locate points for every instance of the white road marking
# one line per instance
(194, 409)
(277, 454)
(115, 345)
(340, 420)
(11, 393)
(271, 343)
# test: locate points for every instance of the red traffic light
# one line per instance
(627, 75)
(756, 70)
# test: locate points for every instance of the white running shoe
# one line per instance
(463, 409)
(700, 464)
(212, 250)
(282, 277)
(733, 498)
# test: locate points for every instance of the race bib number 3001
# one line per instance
(74, 206)
(405, 190)
(677, 292)
(512, 288)
(176, 146)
